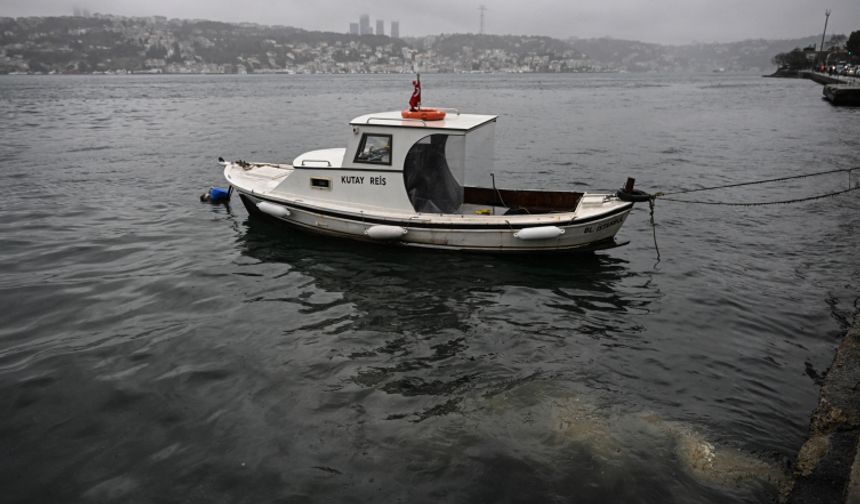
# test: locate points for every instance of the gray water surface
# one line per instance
(155, 349)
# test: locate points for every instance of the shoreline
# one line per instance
(827, 469)
(839, 90)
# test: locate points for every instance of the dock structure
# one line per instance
(842, 94)
(827, 469)
(823, 78)
(838, 90)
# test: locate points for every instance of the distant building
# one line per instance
(380, 27)
(353, 28)
(395, 29)
(364, 25)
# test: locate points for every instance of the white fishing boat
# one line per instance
(424, 179)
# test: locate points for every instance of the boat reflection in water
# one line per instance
(471, 376)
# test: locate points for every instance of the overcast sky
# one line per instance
(661, 21)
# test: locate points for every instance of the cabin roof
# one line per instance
(452, 121)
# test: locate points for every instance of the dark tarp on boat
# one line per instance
(430, 183)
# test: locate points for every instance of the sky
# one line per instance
(657, 21)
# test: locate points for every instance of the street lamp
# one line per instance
(821, 47)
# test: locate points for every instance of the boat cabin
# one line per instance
(411, 165)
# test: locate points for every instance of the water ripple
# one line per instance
(152, 346)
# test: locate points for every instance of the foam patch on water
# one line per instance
(612, 435)
(715, 464)
(113, 489)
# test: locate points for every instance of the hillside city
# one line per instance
(108, 44)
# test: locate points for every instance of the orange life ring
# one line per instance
(425, 114)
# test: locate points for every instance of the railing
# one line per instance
(398, 119)
(410, 119)
(326, 161)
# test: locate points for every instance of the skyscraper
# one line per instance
(364, 25)
(353, 28)
(395, 29)
(380, 27)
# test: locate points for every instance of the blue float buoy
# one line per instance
(217, 195)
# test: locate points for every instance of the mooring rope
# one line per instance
(758, 203)
(766, 181)
(654, 228)
(662, 195)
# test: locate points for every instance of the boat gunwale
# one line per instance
(424, 220)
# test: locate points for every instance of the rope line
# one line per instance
(757, 203)
(662, 195)
(766, 181)
(654, 228)
(652, 200)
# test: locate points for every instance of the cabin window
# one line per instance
(374, 149)
(320, 183)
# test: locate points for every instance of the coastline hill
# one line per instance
(742, 56)
(116, 44)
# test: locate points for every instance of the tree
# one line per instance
(794, 60)
(175, 53)
(836, 41)
(853, 44)
(156, 51)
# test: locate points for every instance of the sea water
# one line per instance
(157, 349)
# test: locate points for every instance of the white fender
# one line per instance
(385, 232)
(539, 233)
(273, 209)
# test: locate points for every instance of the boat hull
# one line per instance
(496, 234)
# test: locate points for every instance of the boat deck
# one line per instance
(262, 177)
(480, 202)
